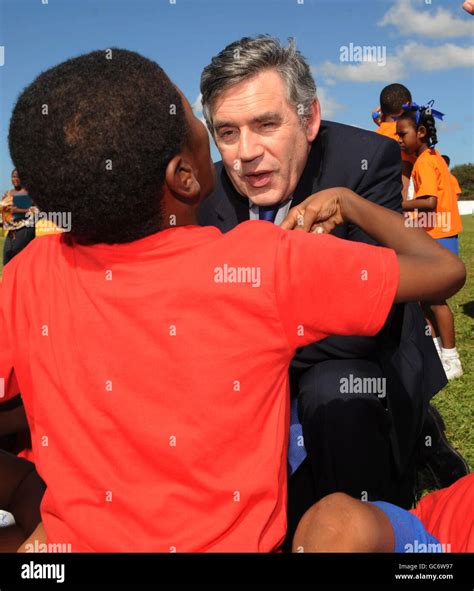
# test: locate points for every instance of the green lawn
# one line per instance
(456, 401)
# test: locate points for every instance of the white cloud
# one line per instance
(329, 105)
(197, 105)
(362, 71)
(439, 24)
(410, 58)
(197, 110)
(449, 127)
(441, 57)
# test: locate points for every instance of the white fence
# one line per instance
(466, 207)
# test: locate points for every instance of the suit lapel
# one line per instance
(310, 180)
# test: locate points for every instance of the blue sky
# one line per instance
(428, 47)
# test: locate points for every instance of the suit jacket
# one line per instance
(370, 165)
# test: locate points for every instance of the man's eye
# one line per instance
(226, 134)
(268, 125)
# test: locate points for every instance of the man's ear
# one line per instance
(313, 121)
(180, 178)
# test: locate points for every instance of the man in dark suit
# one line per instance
(361, 401)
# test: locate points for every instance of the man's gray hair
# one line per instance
(249, 56)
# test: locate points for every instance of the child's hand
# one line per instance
(377, 116)
(319, 213)
(468, 7)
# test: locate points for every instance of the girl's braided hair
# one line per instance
(423, 115)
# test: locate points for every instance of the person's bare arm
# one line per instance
(426, 203)
(21, 491)
(37, 538)
(14, 209)
(407, 167)
(428, 272)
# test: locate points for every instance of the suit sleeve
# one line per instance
(380, 184)
(8, 383)
(328, 286)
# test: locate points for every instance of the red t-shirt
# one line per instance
(448, 514)
(155, 376)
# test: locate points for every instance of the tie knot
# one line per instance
(267, 214)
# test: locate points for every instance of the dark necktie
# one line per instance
(296, 449)
(268, 214)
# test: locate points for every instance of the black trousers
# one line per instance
(16, 241)
(347, 434)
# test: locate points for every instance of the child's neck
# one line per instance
(421, 149)
(388, 118)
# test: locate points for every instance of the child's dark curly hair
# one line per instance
(93, 136)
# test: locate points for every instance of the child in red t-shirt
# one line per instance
(152, 354)
(443, 521)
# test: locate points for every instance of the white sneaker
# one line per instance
(6, 519)
(452, 367)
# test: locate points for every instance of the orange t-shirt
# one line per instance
(457, 188)
(154, 376)
(431, 176)
(389, 129)
(448, 514)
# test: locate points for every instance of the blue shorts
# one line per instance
(410, 533)
(451, 243)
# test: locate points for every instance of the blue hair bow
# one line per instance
(428, 109)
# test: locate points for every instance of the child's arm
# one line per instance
(14, 209)
(21, 491)
(427, 270)
(425, 203)
(407, 167)
(37, 538)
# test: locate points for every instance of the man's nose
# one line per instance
(250, 147)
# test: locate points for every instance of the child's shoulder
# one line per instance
(429, 158)
(33, 257)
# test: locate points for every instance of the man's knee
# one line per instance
(321, 384)
(339, 384)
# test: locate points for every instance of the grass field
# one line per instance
(456, 401)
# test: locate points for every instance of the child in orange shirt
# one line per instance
(435, 203)
(392, 98)
(457, 188)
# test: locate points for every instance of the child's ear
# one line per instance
(422, 133)
(180, 178)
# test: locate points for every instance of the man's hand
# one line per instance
(319, 213)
